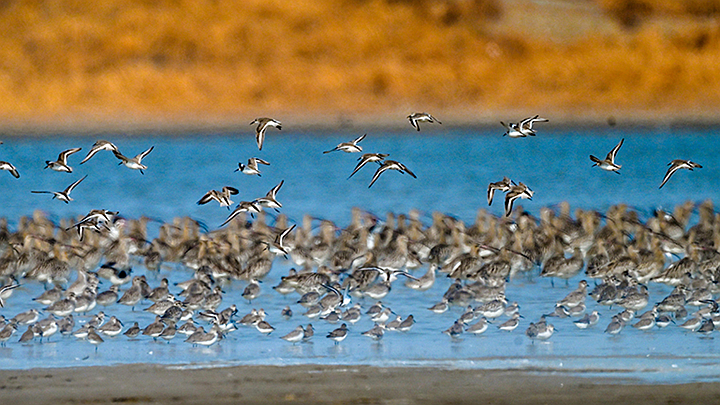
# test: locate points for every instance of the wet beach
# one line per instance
(146, 384)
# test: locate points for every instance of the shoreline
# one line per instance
(181, 124)
(311, 384)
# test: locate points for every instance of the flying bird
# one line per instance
(62, 195)
(244, 206)
(519, 191)
(676, 165)
(60, 165)
(270, 199)
(503, 185)
(523, 128)
(350, 147)
(367, 158)
(416, 118)
(97, 147)
(262, 126)
(223, 197)
(252, 166)
(9, 167)
(609, 162)
(390, 165)
(136, 162)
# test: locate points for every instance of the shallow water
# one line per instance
(453, 172)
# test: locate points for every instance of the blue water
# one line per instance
(453, 171)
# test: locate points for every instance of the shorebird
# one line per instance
(519, 191)
(244, 206)
(296, 335)
(223, 197)
(503, 185)
(60, 165)
(388, 275)
(609, 162)
(270, 199)
(339, 334)
(415, 119)
(262, 126)
(350, 147)
(134, 163)
(97, 147)
(278, 246)
(5, 290)
(588, 320)
(523, 128)
(62, 195)
(251, 167)
(390, 165)
(9, 167)
(367, 158)
(676, 165)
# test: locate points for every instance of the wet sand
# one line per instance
(144, 384)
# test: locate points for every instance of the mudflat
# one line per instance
(311, 384)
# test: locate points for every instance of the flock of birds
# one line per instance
(333, 265)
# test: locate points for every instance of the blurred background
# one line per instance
(201, 62)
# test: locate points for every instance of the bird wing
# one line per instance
(272, 193)
(674, 166)
(62, 157)
(141, 156)
(359, 138)
(92, 153)
(72, 186)
(379, 171)
(209, 196)
(614, 151)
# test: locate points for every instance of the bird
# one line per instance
(503, 185)
(223, 197)
(278, 246)
(9, 167)
(609, 162)
(415, 119)
(270, 199)
(262, 126)
(62, 195)
(296, 335)
(60, 165)
(676, 165)
(4, 290)
(523, 128)
(519, 191)
(97, 147)
(367, 158)
(349, 147)
(339, 334)
(244, 206)
(136, 162)
(390, 165)
(252, 167)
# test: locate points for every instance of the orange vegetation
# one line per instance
(220, 58)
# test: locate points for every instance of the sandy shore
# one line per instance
(141, 384)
